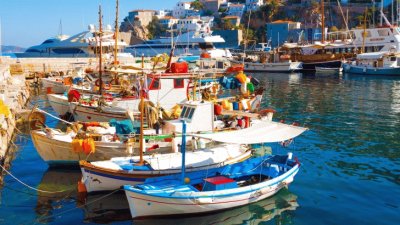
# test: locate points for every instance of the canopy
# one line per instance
(372, 55)
(261, 132)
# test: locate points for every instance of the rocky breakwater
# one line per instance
(14, 94)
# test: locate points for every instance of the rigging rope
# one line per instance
(26, 185)
(55, 117)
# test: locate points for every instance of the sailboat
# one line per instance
(220, 188)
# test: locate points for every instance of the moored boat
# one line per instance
(375, 63)
(112, 174)
(221, 188)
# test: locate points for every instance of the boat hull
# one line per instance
(273, 67)
(87, 114)
(59, 103)
(101, 179)
(310, 66)
(347, 68)
(144, 205)
(57, 152)
(56, 85)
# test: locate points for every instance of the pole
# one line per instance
(365, 30)
(322, 22)
(101, 52)
(183, 150)
(141, 143)
(381, 14)
(116, 36)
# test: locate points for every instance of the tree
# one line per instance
(228, 25)
(155, 28)
(196, 5)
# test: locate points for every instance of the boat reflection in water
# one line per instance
(62, 199)
(276, 207)
(107, 207)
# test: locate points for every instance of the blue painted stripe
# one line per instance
(115, 177)
(132, 189)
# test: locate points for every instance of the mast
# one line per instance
(381, 11)
(116, 35)
(365, 30)
(141, 141)
(322, 22)
(101, 52)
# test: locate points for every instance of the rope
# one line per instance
(26, 185)
(53, 116)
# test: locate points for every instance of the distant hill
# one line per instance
(11, 49)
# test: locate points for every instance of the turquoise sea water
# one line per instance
(350, 163)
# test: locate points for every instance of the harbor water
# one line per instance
(350, 159)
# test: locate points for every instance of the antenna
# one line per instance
(60, 32)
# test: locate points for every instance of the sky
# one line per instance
(29, 22)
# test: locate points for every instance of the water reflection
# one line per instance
(62, 196)
(60, 187)
(279, 208)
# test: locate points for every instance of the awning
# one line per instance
(261, 132)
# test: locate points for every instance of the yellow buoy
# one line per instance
(187, 180)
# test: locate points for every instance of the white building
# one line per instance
(163, 13)
(168, 21)
(253, 4)
(189, 24)
(180, 10)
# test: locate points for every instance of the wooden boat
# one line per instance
(375, 63)
(112, 174)
(220, 188)
(57, 149)
(273, 208)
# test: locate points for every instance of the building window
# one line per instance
(179, 83)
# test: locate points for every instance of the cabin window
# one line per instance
(187, 112)
(392, 59)
(183, 111)
(384, 32)
(179, 83)
(155, 84)
(190, 114)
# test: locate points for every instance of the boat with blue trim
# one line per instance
(219, 188)
(375, 63)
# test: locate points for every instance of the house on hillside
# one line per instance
(181, 9)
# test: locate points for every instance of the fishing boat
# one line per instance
(273, 208)
(220, 188)
(375, 63)
(343, 45)
(55, 147)
(112, 174)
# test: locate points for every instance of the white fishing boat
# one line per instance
(55, 147)
(221, 188)
(375, 63)
(112, 174)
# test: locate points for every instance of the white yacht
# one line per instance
(84, 44)
(190, 43)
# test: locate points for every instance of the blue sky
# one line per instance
(29, 22)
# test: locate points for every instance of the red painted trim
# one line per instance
(113, 114)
